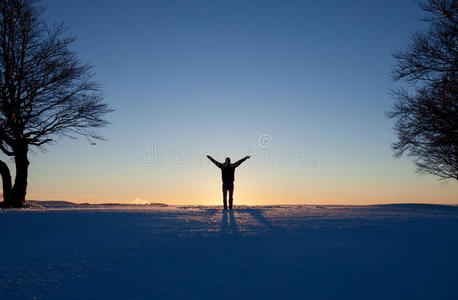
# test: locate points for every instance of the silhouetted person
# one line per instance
(227, 172)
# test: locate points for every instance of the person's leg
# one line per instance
(231, 192)
(224, 196)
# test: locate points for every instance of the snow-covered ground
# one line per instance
(64, 251)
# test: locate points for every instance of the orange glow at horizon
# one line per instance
(329, 183)
(242, 196)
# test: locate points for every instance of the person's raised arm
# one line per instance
(241, 161)
(218, 164)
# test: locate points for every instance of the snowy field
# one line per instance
(63, 251)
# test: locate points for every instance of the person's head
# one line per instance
(227, 161)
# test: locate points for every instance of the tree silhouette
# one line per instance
(425, 113)
(45, 91)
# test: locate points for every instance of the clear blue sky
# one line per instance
(187, 78)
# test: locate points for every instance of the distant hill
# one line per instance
(62, 204)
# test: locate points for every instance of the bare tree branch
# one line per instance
(426, 119)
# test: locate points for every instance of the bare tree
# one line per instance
(45, 91)
(426, 111)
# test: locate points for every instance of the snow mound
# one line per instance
(62, 250)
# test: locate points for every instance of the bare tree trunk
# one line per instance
(15, 196)
(20, 182)
(6, 180)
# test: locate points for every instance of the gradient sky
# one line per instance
(189, 78)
